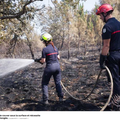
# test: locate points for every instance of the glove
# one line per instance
(102, 61)
(38, 60)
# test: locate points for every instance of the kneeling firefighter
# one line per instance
(51, 56)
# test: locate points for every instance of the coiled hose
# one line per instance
(111, 91)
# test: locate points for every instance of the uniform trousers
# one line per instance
(113, 63)
(54, 70)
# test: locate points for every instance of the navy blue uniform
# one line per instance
(52, 68)
(111, 30)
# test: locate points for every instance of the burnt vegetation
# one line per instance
(21, 90)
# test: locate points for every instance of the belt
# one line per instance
(52, 62)
(114, 51)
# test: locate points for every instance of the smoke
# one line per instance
(8, 66)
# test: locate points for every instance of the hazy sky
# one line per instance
(90, 4)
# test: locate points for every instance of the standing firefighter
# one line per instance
(50, 56)
(110, 54)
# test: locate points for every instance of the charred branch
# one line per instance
(13, 15)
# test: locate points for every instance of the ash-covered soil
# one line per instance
(21, 90)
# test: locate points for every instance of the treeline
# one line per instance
(69, 24)
(72, 27)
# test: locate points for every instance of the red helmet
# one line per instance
(104, 9)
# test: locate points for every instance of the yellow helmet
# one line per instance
(46, 37)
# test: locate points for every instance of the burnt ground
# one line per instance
(21, 90)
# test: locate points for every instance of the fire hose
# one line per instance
(111, 80)
(111, 91)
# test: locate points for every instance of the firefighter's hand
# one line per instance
(37, 60)
(102, 61)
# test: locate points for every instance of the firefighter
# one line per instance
(51, 56)
(110, 54)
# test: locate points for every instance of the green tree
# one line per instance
(15, 15)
